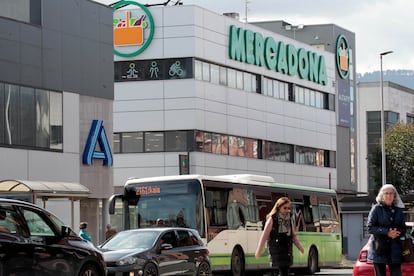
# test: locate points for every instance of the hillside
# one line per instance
(401, 77)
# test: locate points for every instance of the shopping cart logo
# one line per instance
(342, 56)
(133, 29)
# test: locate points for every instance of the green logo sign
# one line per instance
(133, 29)
(342, 56)
(252, 48)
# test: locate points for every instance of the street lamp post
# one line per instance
(383, 160)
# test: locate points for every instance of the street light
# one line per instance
(383, 161)
(294, 28)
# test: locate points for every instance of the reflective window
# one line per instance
(214, 73)
(223, 75)
(176, 141)
(198, 70)
(206, 71)
(154, 141)
(23, 10)
(37, 225)
(231, 78)
(132, 142)
(56, 120)
(116, 147)
(31, 117)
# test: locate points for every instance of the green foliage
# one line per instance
(399, 150)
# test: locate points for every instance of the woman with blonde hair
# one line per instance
(279, 234)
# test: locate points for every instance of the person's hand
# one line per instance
(302, 251)
(257, 255)
(393, 233)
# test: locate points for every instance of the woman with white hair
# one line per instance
(387, 224)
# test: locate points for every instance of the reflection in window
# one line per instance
(154, 141)
(176, 141)
(22, 10)
(31, 117)
(207, 142)
(214, 74)
(116, 147)
(231, 78)
(132, 142)
(56, 120)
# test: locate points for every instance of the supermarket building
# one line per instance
(225, 96)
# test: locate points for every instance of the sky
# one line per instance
(379, 25)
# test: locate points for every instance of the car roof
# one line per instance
(24, 203)
(16, 201)
(161, 229)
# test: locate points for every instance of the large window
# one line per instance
(30, 117)
(223, 144)
(23, 10)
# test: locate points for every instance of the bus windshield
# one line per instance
(158, 204)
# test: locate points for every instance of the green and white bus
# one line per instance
(229, 212)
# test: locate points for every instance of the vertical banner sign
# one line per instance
(97, 135)
(184, 163)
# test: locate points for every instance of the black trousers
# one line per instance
(380, 269)
(281, 271)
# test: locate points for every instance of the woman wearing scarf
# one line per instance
(280, 235)
(387, 224)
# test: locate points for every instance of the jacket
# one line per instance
(380, 219)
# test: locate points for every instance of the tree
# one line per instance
(399, 150)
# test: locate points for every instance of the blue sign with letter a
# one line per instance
(97, 134)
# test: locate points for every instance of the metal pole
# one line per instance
(383, 156)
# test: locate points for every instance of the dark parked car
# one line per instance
(156, 251)
(35, 242)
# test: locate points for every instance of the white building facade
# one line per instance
(228, 97)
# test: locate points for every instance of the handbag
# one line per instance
(407, 249)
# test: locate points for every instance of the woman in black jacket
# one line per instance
(387, 224)
(279, 234)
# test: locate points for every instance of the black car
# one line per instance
(156, 251)
(35, 242)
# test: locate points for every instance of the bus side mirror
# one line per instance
(112, 202)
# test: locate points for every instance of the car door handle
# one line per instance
(40, 249)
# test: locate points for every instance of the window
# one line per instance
(22, 10)
(116, 147)
(410, 118)
(223, 75)
(36, 224)
(132, 142)
(198, 70)
(31, 117)
(206, 71)
(176, 141)
(215, 73)
(154, 141)
(231, 78)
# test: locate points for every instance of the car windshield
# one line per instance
(131, 240)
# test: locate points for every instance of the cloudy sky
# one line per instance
(379, 25)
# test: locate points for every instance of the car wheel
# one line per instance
(204, 269)
(150, 270)
(237, 263)
(89, 270)
(313, 261)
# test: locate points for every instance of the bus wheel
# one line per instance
(313, 261)
(237, 263)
